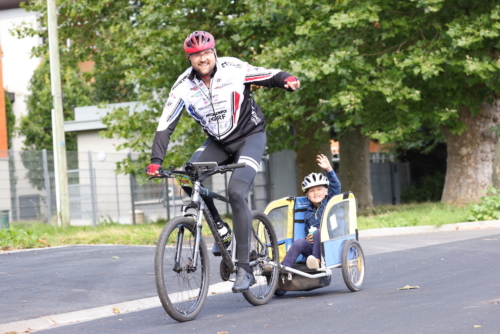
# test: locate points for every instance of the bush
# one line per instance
(489, 208)
(427, 189)
(12, 239)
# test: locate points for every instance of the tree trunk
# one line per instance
(354, 154)
(496, 166)
(307, 160)
(470, 155)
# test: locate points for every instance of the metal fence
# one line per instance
(96, 192)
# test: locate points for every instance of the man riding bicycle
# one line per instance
(216, 93)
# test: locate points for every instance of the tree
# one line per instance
(380, 68)
(142, 42)
(11, 120)
(36, 125)
(392, 67)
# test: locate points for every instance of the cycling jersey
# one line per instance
(226, 110)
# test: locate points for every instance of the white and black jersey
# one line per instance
(226, 110)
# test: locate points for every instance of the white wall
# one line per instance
(91, 141)
(18, 65)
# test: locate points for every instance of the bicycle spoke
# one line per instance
(263, 248)
(353, 265)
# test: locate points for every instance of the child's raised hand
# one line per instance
(324, 163)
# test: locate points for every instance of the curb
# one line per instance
(66, 246)
(33, 325)
(383, 232)
(27, 326)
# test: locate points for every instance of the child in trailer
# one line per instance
(319, 189)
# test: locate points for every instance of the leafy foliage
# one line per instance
(37, 124)
(489, 208)
(389, 66)
(11, 120)
(14, 239)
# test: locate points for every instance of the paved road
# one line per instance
(456, 271)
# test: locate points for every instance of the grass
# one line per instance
(29, 235)
(412, 215)
(34, 234)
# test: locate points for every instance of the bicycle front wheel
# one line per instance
(263, 248)
(182, 284)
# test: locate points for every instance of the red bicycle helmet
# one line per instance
(199, 41)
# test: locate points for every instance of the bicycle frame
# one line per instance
(199, 205)
(202, 211)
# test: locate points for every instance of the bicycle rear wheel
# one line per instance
(263, 247)
(181, 284)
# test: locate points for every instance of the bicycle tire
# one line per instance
(182, 292)
(266, 276)
(353, 265)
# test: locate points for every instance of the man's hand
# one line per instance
(324, 163)
(292, 83)
(153, 170)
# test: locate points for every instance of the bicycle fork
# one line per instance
(190, 265)
(202, 211)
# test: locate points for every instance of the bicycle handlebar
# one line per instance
(238, 165)
(200, 171)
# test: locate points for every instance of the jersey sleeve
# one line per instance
(261, 76)
(166, 126)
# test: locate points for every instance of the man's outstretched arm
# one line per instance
(271, 78)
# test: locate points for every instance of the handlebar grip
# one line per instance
(165, 172)
(238, 165)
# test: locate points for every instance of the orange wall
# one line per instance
(374, 147)
(86, 66)
(4, 144)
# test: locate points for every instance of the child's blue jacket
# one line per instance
(312, 216)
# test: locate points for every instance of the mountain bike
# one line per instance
(181, 264)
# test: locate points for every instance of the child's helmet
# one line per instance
(314, 179)
(199, 41)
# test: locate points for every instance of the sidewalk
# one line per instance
(43, 288)
(382, 232)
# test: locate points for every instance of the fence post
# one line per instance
(13, 186)
(132, 193)
(117, 197)
(48, 198)
(92, 191)
(173, 196)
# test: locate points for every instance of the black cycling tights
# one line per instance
(249, 150)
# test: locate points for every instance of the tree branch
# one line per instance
(386, 50)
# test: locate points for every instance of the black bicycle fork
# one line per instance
(198, 204)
